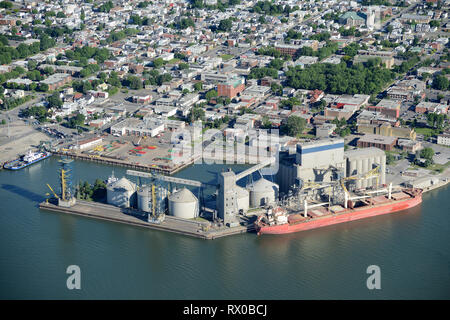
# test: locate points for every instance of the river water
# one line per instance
(412, 249)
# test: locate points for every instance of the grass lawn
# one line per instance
(425, 131)
(200, 219)
(437, 168)
(175, 60)
(226, 57)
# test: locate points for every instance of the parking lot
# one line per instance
(441, 153)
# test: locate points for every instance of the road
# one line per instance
(13, 114)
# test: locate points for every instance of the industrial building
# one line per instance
(423, 182)
(378, 141)
(233, 200)
(387, 130)
(317, 160)
(324, 160)
(138, 127)
(361, 161)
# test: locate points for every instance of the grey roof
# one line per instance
(183, 195)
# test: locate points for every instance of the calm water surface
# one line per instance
(412, 248)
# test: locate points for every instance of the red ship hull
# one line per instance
(346, 216)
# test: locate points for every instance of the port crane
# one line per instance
(54, 193)
(375, 172)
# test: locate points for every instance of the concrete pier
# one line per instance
(193, 228)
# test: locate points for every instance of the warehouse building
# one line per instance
(137, 127)
(377, 141)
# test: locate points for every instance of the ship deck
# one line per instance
(322, 212)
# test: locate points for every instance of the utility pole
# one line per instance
(8, 132)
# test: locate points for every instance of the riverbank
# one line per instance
(21, 138)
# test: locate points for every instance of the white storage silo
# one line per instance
(262, 192)
(121, 193)
(243, 199)
(183, 204)
(144, 198)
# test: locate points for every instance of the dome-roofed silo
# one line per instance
(121, 193)
(183, 204)
(262, 192)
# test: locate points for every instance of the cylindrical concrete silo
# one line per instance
(365, 182)
(183, 204)
(121, 193)
(243, 199)
(144, 198)
(359, 168)
(262, 192)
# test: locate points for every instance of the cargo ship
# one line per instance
(278, 221)
(28, 159)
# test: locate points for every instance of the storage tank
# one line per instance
(262, 192)
(121, 193)
(243, 199)
(144, 199)
(183, 204)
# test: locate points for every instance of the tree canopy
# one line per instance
(294, 126)
(340, 78)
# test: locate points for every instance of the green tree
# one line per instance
(43, 87)
(54, 101)
(134, 82)
(198, 86)
(427, 153)
(225, 25)
(294, 126)
(440, 82)
(211, 94)
(158, 62)
(196, 113)
(390, 159)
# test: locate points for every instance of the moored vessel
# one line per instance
(26, 160)
(278, 221)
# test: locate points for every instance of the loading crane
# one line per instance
(54, 193)
(375, 172)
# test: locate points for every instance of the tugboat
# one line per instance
(26, 160)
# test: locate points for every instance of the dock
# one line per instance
(193, 228)
(123, 163)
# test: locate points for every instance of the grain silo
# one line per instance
(361, 161)
(144, 199)
(121, 193)
(262, 192)
(243, 199)
(183, 204)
